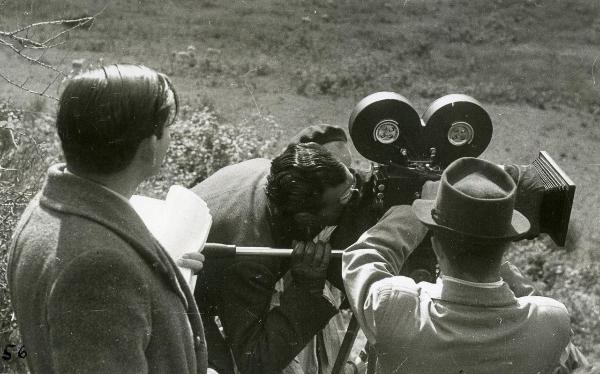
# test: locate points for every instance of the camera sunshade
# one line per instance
(385, 128)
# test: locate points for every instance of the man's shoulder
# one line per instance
(545, 305)
(248, 167)
(244, 175)
(53, 233)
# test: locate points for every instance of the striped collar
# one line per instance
(473, 284)
(459, 291)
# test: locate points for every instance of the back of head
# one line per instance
(469, 255)
(105, 113)
(299, 176)
(473, 217)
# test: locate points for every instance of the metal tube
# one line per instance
(277, 252)
(229, 250)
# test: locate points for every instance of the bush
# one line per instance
(201, 143)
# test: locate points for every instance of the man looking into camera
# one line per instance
(470, 321)
(282, 203)
(92, 289)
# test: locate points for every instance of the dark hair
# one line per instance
(105, 113)
(471, 255)
(299, 176)
(320, 134)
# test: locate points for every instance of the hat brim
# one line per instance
(519, 225)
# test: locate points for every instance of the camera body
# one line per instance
(407, 150)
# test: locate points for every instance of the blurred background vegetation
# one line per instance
(261, 70)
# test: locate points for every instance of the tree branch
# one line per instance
(22, 39)
(22, 86)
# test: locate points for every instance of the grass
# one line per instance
(533, 64)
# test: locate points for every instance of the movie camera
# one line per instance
(406, 150)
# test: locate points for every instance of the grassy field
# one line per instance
(533, 64)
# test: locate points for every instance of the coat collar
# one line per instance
(467, 294)
(71, 194)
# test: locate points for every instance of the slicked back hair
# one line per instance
(299, 177)
(105, 113)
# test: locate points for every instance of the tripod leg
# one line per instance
(372, 359)
(346, 347)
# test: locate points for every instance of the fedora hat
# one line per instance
(476, 198)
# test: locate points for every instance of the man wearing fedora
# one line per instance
(472, 320)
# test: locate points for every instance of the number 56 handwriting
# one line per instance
(9, 349)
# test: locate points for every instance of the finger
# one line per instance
(309, 253)
(194, 256)
(298, 252)
(318, 257)
(193, 265)
(326, 255)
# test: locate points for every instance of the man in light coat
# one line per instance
(93, 290)
(470, 321)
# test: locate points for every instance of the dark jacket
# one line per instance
(94, 292)
(239, 291)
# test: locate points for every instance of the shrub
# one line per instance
(201, 143)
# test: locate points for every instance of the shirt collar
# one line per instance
(473, 284)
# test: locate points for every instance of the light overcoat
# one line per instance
(452, 326)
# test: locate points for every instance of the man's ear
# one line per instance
(305, 218)
(146, 151)
(146, 160)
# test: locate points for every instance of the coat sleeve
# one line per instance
(378, 255)
(99, 316)
(265, 340)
